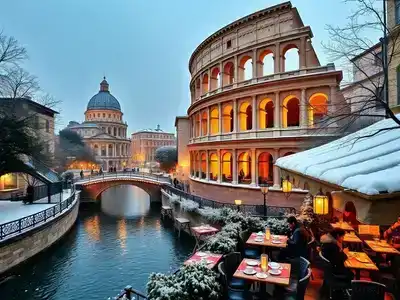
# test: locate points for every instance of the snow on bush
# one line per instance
(212, 215)
(221, 243)
(277, 226)
(189, 205)
(174, 199)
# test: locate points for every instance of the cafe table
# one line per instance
(352, 240)
(342, 225)
(358, 261)
(382, 247)
(211, 259)
(275, 241)
(202, 232)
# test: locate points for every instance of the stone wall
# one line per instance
(21, 248)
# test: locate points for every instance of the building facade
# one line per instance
(104, 130)
(144, 144)
(242, 119)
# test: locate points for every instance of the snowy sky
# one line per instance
(143, 48)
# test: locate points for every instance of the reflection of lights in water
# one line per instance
(92, 227)
(158, 225)
(122, 234)
(141, 222)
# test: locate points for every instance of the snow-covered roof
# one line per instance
(367, 161)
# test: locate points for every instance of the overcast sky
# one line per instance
(142, 47)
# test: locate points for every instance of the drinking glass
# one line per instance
(267, 233)
(264, 262)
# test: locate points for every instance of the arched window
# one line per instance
(245, 68)
(205, 84)
(267, 59)
(244, 168)
(229, 73)
(291, 58)
(204, 130)
(265, 169)
(266, 114)
(96, 150)
(291, 112)
(198, 83)
(213, 167)
(197, 165)
(203, 165)
(226, 165)
(245, 116)
(192, 164)
(215, 79)
(227, 118)
(197, 127)
(110, 150)
(117, 149)
(115, 131)
(317, 109)
(288, 153)
(214, 121)
(109, 130)
(103, 150)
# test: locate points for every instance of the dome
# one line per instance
(103, 99)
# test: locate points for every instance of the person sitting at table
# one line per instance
(332, 250)
(298, 240)
(393, 234)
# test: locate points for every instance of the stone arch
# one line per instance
(288, 153)
(317, 108)
(110, 150)
(197, 165)
(205, 83)
(245, 70)
(290, 57)
(266, 114)
(214, 121)
(203, 165)
(266, 58)
(265, 165)
(197, 125)
(227, 118)
(244, 167)
(204, 125)
(213, 166)
(245, 116)
(215, 78)
(291, 112)
(229, 73)
(226, 167)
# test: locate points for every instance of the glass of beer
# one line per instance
(264, 262)
(267, 233)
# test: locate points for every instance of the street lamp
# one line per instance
(264, 191)
(321, 203)
(286, 187)
(238, 203)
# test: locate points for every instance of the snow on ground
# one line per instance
(14, 210)
(359, 161)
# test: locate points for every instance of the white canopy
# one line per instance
(367, 161)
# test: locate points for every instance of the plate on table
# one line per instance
(275, 272)
(201, 254)
(259, 234)
(274, 265)
(261, 275)
(249, 271)
(276, 242)
(252, 263)
(259, 240)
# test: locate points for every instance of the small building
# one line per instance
(360, 170)
(144, 144)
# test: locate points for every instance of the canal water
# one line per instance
(109, 248)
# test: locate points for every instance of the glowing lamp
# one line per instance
(264, 189)
(286, 187)
(321, 204)
(238, 202)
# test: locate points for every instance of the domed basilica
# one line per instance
(104, 130)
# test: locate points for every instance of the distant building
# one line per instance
(104, 130)
(144, 144)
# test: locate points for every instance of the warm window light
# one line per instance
(264, 189)
(321, 204)
(286, 187)
(238, 202)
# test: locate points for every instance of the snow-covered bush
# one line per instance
(220, 243)
(253, 224)
(306, 214)
(212, 215)
(232, 230)
(174, 199)
(277, 226)
(164, 287)
(189, 205)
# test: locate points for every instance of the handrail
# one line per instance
(144, 175)
(19, 225)
(128, 292)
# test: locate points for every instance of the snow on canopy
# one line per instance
(358, 161)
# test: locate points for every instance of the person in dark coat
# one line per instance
(298, 239)
(332, 250)
(81, 173)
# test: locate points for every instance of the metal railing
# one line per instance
(130, 293)
(141, 175)
(252, 209)
(20, 225)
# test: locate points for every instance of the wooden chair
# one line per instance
(367, 290)
(231, 293)
(231, 263)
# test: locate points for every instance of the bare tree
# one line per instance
(358, 50)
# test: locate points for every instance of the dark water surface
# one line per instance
(105, 251)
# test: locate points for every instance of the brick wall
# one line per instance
(27, 245)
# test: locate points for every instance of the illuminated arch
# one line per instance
(291, 112)
(266, 114)
(265, 169)
(204, 129)
(197, 125)
(317, 108)
(197, 165)
(213, 167)
(244, 168)
(214, 121)
(226, 166)
(203, 165)
(227, 118)
(291, 58)
(215, 78)
(245, 116)
(192, 164)
(229, 73)
(267, 59)
(245, 68)
(205, 83)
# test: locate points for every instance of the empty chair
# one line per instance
(248, 252)
(231, 263)
(229, 292)
(367, 290)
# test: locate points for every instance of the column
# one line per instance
(253, 166)
(302, 53)
(254, 113)
(219, 118)
(277, 178)
(199, 164)
(219, 166)
(303, 109)
(236, 70)
(221, 75)
(207, 166)
(235, 118)
(234, 167)
(277, 111)
(201, 85)
(282, 63)
(209, 80)
(332, 101)
(208, 121)
(276, 58)
(254, 62)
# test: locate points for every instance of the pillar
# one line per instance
(282, 63)
(254, 63)
(236, 66)
(277, 178)
(207, 166)
(332, 100)
(219, 166)
(235, 118)
(208, 121)
(302, 53)
(209, 80)
(201, 85)
(276, 59)
(253, 166)
(221, 76)
(219, 118)
(234, 167)
(254, 113)
(303, 109)
(199, 164)
(277, 111)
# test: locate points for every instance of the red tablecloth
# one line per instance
(204, 230)
(285, 272)
(212, 259)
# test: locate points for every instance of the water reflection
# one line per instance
(122, 234)
(125, 201)
(92, 227)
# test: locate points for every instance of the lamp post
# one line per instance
(238, 203)
(321, 203)
(264, 191)
(286, 187)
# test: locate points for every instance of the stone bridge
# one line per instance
(92, 187)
